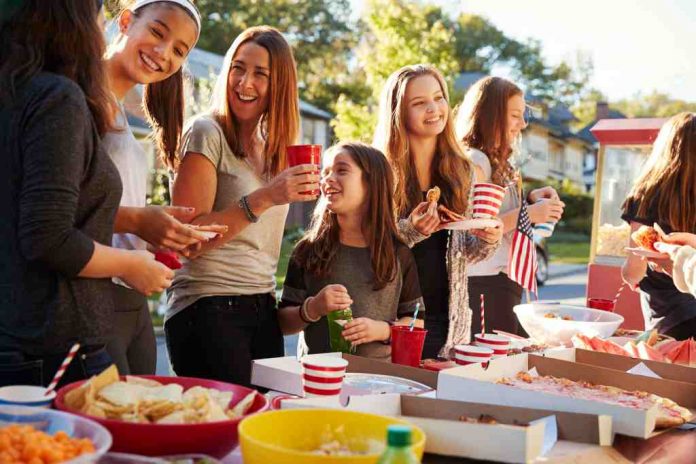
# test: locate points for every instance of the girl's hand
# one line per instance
(333, 297)
(286, 186)
(146, 275)
(663, 265)
(543, 192)
(447, 215)
(545, 210)
(489, 234)
(365, 330)
(192, 251)
(680, 238)
(164, 227)
(425, 218)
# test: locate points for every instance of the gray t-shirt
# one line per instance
(245, 265)
(352, 268)
(499, 261)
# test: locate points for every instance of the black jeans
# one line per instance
(217, 337)
(17, 368)
(501, 295)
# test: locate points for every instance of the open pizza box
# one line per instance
(285, 374)
(624, 363)
(476, 383)
(449, 436)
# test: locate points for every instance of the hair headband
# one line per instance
(186, 4)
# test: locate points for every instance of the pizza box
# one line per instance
(284, 374)
(448, 436)
(624, 363)
(476, 383)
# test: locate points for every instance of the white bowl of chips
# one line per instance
(155, 415)
(555, 324)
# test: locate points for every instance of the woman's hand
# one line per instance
(545, 210)
(543, 192)
(425, 218)
(680, 238)
(489, 234)
(365, 330)
(164, 227)
(333, 297)
(286, 187)
(144, 274)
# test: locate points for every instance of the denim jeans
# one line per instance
(217, 337)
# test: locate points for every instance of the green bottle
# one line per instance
(336, 321)
(399, 449)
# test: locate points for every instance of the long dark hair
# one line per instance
(669, 175)
(60, 36)
(451, 170)
(482, 124)
(280, 124)
(317, 249)
(164, 105)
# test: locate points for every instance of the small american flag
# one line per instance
(522, 262)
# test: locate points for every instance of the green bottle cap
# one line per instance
(399, 435)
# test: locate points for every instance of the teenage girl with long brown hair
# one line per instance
(352, 256)
(416, 133)
(61, 193)
(489, 123)
(222, 309)
(665, 193)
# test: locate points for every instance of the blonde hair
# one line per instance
(451, 169)
(669, 175)
(280, 124)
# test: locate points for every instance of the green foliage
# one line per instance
(652, 105)
(354, 121)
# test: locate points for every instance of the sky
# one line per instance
(636, 45)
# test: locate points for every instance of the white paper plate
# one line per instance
(370, 384)
(646, 253)
(468, 224)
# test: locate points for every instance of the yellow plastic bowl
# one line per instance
(288, 436)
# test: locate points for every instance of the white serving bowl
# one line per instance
(588, 321)
(26, 395)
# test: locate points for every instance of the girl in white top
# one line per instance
(489, 123)
(154, 38)
(222, 311)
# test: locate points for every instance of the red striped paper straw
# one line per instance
(61, 370)
(618, 294)
(483, 317)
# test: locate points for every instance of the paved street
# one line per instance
(566, 284)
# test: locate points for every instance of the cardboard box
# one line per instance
(477, 383)
(624, 363)
(447, 435)
(285, 374)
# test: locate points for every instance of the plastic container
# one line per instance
(407, 345)
(534, 318)
(398, 446)
(216, 439)
(51, 421)
(336, 320)
(290, 436)
(26, 395)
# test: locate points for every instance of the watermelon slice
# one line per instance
(582, 341)
(612, 348)
(632, 349)
(667, 346)
(684, 354)
(646, 351)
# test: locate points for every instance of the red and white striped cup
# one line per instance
(497, 343)
(322, 376)
(487, 200)
(471, 354)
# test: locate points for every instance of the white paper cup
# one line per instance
(497, 343)
(545, 229)
(26, 395)
(471, 354)
(323, 375)
(487, 200)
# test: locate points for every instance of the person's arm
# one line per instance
(635, 267)
(57, 142)
(423, 221)
(684, 269)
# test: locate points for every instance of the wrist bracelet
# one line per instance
(303, 312)
(388, 340)
(244, 205)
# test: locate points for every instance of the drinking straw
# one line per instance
(618, 294)
(61, 370)
(483, 316)
(413, 321)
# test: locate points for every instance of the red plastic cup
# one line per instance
(487, 200)
(600, 303)
(304, 154)
(407, 345)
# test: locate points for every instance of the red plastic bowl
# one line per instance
(216, 439)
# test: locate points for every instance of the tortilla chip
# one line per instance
(96, 411)
(121, 393)
(75, 398)
(242, 407)
(177, 417)
(142, 382)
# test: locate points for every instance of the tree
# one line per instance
(653, 105)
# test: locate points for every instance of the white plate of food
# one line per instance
(468, 224)
(646, 253)
(355, 383)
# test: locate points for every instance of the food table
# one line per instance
(624, 144)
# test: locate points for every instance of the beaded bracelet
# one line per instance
(303, 312)
(244, 205)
